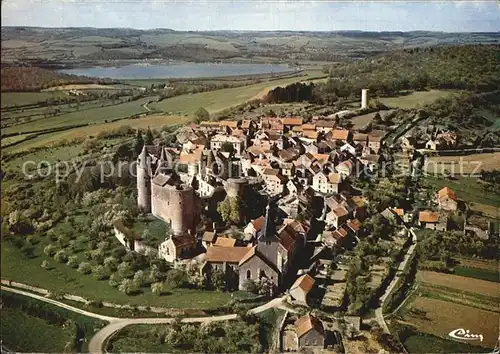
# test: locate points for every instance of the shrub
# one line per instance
(33, 239)
(61, 256)
(50, 250)
(85, 268)
(140, 278)
(111, 263)
(72, 262)
(45, 265)
(115, 280)
(128, 286)
(157, 288)
(99, 272)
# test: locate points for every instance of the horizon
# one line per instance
(252, 16)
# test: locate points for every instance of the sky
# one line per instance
(432, 15)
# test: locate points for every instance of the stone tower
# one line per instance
(144, 181)
(364, 98)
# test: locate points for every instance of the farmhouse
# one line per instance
(446, 199)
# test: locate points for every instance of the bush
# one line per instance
(128, 286)
(157, 288)
(111, 263)
(33, 239)
(72, 262)
(61, 256)
(50, 250)
(45, 265)
(85, 268)
(99, 272)
(115, 280)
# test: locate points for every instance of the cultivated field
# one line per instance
(216, 101)
(460, 283)
(464, 164)
(24, 98)
(439, 318)
(479, 263)
(414, 99)
(84, 87)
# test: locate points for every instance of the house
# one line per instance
(349, 149)
(447, 200)
(225, 259)
(327, 184)
(219, 140)
(177, 247)
(341, 135)
(208, 238)
(346, 168)
(310, 332)
(337, 216)
(274, 181)
(253, 228)
(433, 220)
(374, 142)
(254, 266)
(225, 242)
(334, 238)
(324, 126)
(354, 227)
(291, 122)
(300, 289)
(289, 205)
(360, 138)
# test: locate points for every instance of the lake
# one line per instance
(178, 70)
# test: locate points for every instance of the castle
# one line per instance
(178, 197)
(161, 192)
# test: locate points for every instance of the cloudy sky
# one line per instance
(450, 16)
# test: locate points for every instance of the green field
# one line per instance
(24, 98)
(468, 189)
(477, 273)
(16, 266)
(427, 343)
(216, 101)
(30, 325)
(414, 99)
(89, 116)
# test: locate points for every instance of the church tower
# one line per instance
(144, 181)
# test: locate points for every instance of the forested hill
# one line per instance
(473, 67)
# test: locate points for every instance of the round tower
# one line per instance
(234, 186)
(143, 182)
(183, 209)
(364, 98)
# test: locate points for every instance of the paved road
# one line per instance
(116, 323)
(379, 315)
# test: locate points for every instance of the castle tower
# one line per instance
(364, 98)
(143, 182)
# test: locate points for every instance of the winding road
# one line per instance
(116, 323)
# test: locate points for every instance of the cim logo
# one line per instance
(461, 333)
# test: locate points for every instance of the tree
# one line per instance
(177, 278)
(157, 288)
(110, 263)
(229, 210)
(99, 272)
(218, 280)
(140, 278)
(85, 268)
(115, 279)
(72, 262)
(139, 143)
(128, 286)
(45, 265)
(200, 115)
(50, 250)
(149, 137)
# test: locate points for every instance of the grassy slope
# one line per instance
(215, 101)
(91, 116)
(23, 98)
(414, 99)
(27, 333)
(15, 266)
(427, 343)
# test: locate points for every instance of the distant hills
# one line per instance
(58, 47)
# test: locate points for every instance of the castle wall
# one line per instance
(177, 207)
(143, 190)
(234, 186)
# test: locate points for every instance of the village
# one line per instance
(270, 206)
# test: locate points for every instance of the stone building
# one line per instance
(310, 332)
(447, 200)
